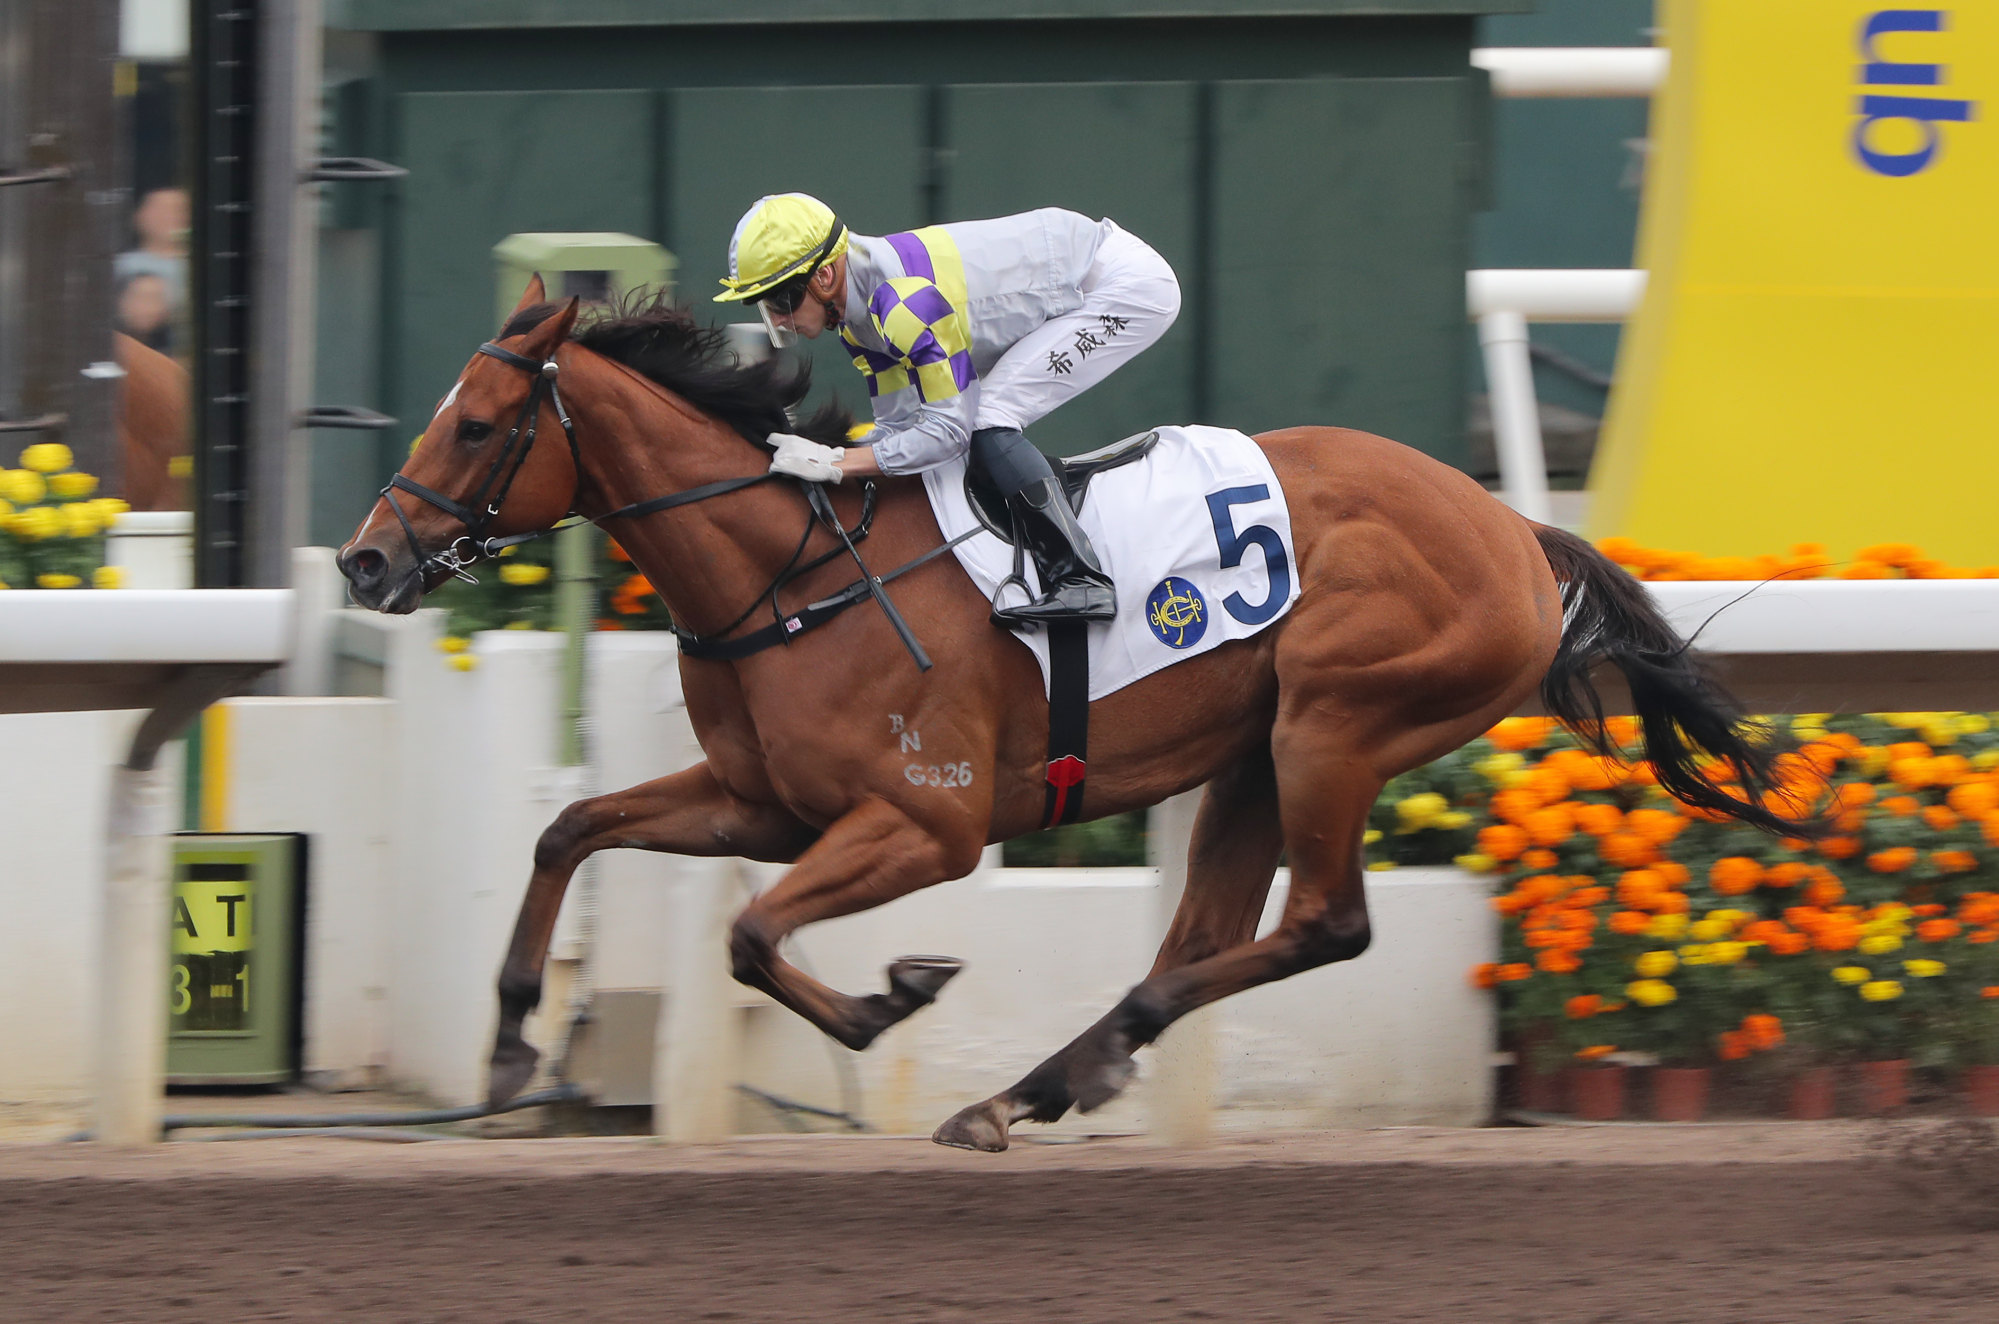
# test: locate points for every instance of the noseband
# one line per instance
(482, 511)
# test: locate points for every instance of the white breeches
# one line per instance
(1130, 297)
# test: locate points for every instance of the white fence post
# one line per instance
(1181, 1093)
(695, 1056)
(1516, 414)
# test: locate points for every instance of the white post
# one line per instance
(1181, 1094)
(132, 962)
(1516, 415)
(696, 1052)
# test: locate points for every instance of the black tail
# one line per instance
(1607, 616)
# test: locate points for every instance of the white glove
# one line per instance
(804, 458)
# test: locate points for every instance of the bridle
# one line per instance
(484, 508)
(481, 512)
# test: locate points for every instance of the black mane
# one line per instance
(660, 340)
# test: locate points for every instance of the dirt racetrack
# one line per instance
(1618, 1224)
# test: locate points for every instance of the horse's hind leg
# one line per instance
(1238, 837)
(687, 814)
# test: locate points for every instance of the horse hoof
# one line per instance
(919, 978)
(981, 1126)
(511, 1069)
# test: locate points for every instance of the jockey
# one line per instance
(967, 333)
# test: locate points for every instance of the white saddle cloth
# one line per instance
(1196, 536)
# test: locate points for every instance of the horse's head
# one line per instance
(476, 473)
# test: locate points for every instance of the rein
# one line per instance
(480, 513)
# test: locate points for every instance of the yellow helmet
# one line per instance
(785, 235)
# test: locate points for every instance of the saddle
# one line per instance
(1074, 473)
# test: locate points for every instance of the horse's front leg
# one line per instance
(873, 853)
(688, 813)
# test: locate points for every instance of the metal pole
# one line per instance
(73, 213)
(1516, 414)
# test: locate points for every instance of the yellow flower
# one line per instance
(107, 576)
(79, 520)
(1732, 918)
(1381, 866)
(23, 487)
(1938, 734)
(180, 466)
(1653, 964)
(1694, 954)
(1651, 992)
(1496, 767)
(1985, 760)
(1923, 968)
(462, 661)
(1973, 724)
(529, 573)
(1726, 953)
(529, 625)
(109, 508)
(1668, 926)
(1879, 944)
(57, 581)
(1452, 821)
(1852, 974)
(1476, 863)
(73, 485)
(5, 586)
(5, 509)
(1881, 990)
(47, 457)
(1709, 929)
(35, 523)
(1873, 760)
(1367, 838)
(453, 643)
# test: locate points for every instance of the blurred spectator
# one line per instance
(161, 223)
(145, 310)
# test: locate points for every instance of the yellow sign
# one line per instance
(1821, 322)
(211, 917)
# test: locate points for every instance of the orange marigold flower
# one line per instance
(1550, 826)
(1937, 930)
(1735, 875)
(1955, 861)
(1595, 1051)
(1913, 773)
(1787, 873)
(1974, 799)
(1521, 733)
(1988, 827)
(1940, 817)
(1502, 841)
(1673, 872)
(1627, 850)
(1840, 848)
(1598, 819)
(1909, 749)
(1513, 972)
(1893, 860)
(1485, 974)
(1672, 903)
(1763, 1030)
(1583, 1006)
(1903, 806)
(1836, 933)
(1822, 756)
(1989, 991)
(1929, 909)
(1761, 930)
(1788, 943)
(1513, 804)
(1979, 908)
(1657, 826)
(1537, 858)
(1629, 922)
(1548, 784)
(1590, 896)
(1622, 730)
(1853, 795)
(1733, 1045)
(1950, 769)
(1557, 962)
(1983, 935)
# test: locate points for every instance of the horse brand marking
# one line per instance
(1177, 613)
(947, 775)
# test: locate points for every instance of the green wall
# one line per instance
(1310, 179)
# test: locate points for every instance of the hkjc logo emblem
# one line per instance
(1177, 613)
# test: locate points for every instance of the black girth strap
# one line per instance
(1068, 722)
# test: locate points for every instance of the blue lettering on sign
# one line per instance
(1231, 544)
(1926, 113)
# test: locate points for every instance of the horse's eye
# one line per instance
(474, 430)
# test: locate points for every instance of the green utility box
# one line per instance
(598, 266)
(234, 990)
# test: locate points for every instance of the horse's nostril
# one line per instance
(364, 567)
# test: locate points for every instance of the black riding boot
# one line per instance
(1074, 584)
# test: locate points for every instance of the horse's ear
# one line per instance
(535, 293)
(544, 340)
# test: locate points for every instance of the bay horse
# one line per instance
(1428, 611)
